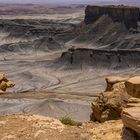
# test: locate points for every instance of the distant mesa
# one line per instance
(126, 14)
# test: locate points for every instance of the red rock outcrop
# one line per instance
(128, 15)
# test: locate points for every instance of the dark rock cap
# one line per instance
(126, 14)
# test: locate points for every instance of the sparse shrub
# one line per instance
(69, 121)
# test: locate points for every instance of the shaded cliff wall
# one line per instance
(109, 59)
(128, 15)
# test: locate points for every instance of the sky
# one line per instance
(53, 1)
(135, 2)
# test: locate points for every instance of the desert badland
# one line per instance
(58, 58)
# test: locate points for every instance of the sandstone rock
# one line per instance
(131, 115)
(129, 134)
(3, 86)
(2, 76)
(113, 80)
(133, 86)
(131, 118)
(5, 83)
(108, 105)
(105, 131)
(121, 13)
(133, 102)
(9, 137)
(133, 105)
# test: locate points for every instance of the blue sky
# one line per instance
(51, 1)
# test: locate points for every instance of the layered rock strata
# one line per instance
(120, 13)
(131, 115)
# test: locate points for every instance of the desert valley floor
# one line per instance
(51, 60)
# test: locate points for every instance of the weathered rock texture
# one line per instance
(98, 59)
(133, 102)
(131, 118)
(129, 134)
(108, 105)
(131, 115)
(5, 83)
(34, 127)
(133, 86)
(121, 13)
(113, 80)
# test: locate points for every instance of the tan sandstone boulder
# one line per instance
(5, 83)
(131, 115)
(133, 102)
(131, 118)
(113, 80)
(109, 104)
(133, 86)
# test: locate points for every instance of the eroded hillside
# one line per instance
(64, 60)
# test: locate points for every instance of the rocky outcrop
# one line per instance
(108, 105)
(97, 58)
(133, 86)
(131, 118)
(131, 115)
(35, 127)
(131, 121)
(5, 83)
(113, 80)
(129, 134)
(120, 13)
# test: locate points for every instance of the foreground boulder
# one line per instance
(5, 83)
(131, 121)
(131, 118)
(126, 14)
(133, 86)
(113, 80)
(109, 104)
(131, 115)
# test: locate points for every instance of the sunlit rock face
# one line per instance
(133, 86)
(109, 104)
(131, 115)
(121, 13)
(5, 83)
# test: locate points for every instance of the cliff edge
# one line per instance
(126, 14)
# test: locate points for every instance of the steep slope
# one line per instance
(47, 43)
(110, 39)
(17, 35)
(109, 27)
(103, 32)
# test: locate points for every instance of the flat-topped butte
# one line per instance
(121, 13)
